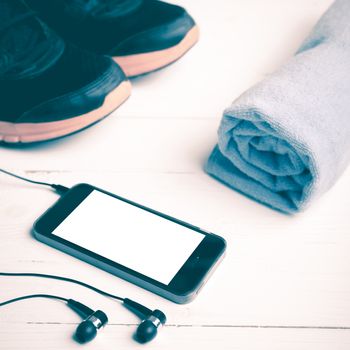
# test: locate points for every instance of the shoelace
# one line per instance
(20, 62)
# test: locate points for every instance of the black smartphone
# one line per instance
(152, 250)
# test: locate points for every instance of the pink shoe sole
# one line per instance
(134, 65)
(34, 132)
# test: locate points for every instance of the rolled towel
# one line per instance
(286, 141)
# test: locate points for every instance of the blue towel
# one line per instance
(286, 141)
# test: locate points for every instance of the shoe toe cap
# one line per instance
(159, 37)
(77, 102)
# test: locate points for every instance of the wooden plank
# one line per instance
(140, 145)
(58, 336)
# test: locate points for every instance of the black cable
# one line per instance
(47, 296)
(61, 278)
(24, 178)
(58, 188)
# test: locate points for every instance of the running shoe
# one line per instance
(48, 88)
(140, 35)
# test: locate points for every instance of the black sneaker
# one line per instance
(49, 89)
(141, 35)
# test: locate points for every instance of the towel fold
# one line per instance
(286, 141)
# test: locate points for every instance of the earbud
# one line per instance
(152, 320)
(93, 321)
(87, 330)
(148, 328)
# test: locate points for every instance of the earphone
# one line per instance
(151, 320)
(93, 321)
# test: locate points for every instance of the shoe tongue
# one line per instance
(23, 42)
(102, 9)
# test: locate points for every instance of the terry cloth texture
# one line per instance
(286, 141)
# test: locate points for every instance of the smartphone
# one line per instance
(143, 246)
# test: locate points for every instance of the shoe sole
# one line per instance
(35, 132)
(134, 65)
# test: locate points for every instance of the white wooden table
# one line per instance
(285, 283)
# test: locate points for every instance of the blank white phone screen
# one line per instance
(130, 236)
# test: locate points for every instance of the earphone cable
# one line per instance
(32, 296)
(58, 188)
(61, 278)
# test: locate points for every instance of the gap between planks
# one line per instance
(205, 326)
